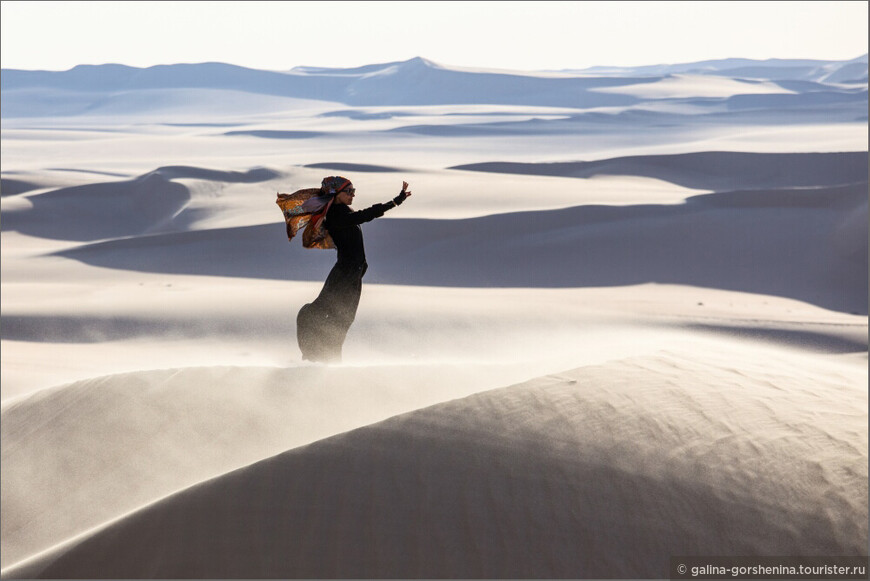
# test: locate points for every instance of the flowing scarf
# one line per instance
(307, 209)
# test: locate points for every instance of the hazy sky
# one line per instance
(535, 35)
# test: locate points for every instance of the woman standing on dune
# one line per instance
(322, 325)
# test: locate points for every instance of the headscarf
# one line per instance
(307, 209)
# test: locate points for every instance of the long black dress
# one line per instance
(322, 325)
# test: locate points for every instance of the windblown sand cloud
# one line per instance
(623, 317)
(570, 475)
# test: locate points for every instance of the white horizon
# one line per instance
(529, 36)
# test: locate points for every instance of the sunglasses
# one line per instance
(349, 191)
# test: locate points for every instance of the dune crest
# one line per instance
(172, 428)
(569, 475)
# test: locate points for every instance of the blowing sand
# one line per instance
(596, 336)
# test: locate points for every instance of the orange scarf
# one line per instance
(307, 209)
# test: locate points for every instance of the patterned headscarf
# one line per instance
(334, 184)
(307, 209)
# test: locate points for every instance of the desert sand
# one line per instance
(622, 318)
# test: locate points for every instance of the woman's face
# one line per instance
(346, 196)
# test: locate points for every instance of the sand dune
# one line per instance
(259, 174)
(12, 187)
(688, 241)
(152, 202)
(141, 204)
(741, 241)
(572, 475)
(60, 479)
(424, 83)
(353, 167)
(114, 88)
(777, 70)
(274, 134)
(686, 86)
(710, 170)
(736, 112)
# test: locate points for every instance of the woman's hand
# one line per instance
(402, 195)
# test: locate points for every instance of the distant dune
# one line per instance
(111, 210)
(741, 240)
(260, 174)
(143, 205)
(12, 187)
(737, 244)
(775, 69)
(88, 89)
(274, 134)
(719, 171)
(352, 167)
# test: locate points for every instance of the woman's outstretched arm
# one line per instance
(344, 217)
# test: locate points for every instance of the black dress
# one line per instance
(322, 325)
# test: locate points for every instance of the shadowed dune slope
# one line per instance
(808, 243)
(100, 211)
(604, 471)
(144, 204)
(759, 110)
(352, 167)
(712, 170)
(118, 209)
(254, 175)
(12, 187)
(78, 455)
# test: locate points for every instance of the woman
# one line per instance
(322, 325)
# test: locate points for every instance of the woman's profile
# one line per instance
(328, 222)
